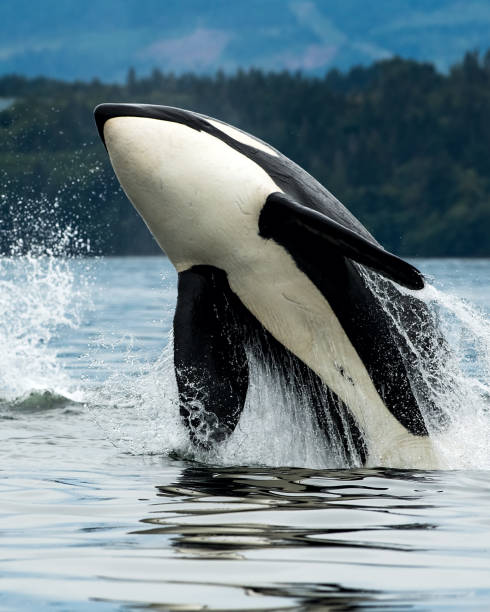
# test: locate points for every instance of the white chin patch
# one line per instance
(242, 137)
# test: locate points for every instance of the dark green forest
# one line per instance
(405, 148)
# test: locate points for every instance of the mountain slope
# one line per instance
(75, 40)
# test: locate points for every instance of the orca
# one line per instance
(269, 262)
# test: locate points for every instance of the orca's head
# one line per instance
(192, 178)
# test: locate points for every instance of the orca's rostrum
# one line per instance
(269, 259)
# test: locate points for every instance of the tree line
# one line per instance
(404, 147)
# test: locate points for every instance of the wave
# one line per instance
(37, 401)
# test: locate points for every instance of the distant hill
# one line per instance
(69, 39)
(405, 147)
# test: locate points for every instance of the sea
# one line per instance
(105, 505)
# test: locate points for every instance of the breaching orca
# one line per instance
(269, 260)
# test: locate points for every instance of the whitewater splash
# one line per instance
(44, 296)
(278, 426)
(466, 399)
(41, 296)
(454, 368)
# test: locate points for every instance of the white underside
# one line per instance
(201, 199)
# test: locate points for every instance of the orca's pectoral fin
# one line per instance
(282, 217)
(209, 356)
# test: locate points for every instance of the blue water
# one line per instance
(104, 505)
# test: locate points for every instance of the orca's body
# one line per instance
(268, 261)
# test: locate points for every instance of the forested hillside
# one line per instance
(407, 149)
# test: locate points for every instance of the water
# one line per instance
(104, 504)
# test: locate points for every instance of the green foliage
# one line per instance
(404, 147)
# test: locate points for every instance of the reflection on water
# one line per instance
(320, 534)
(212, 493)
(152, 533)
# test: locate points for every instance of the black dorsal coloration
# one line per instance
(213, 332)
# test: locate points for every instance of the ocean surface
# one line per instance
(104, 505)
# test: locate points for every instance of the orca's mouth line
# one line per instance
(104, 112)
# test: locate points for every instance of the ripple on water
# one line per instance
(249, 538)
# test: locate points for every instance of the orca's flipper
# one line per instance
(209, 355)
(288, 221)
